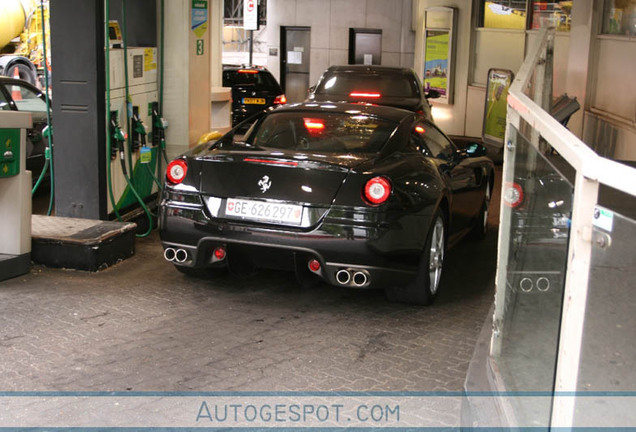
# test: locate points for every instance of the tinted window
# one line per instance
(322, 132)
(435, 141)
(392, 85)
(260, 79)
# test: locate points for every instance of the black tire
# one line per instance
(481, 226)
(25, 72)
(425, 287)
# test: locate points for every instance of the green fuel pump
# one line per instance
(132, 102)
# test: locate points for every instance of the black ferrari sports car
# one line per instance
(356, 195)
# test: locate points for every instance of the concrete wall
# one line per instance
(595, 68)
(330, 21)
(451, 118)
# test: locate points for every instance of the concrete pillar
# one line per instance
(581, 38)
(187, 73)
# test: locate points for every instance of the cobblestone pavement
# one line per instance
(143, 326)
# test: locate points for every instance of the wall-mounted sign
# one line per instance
(250, 14)
(199, 17)
(439, 52)
(496, 108)
(294, 57)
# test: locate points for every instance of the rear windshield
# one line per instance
(387, 85)
(322, 132)
(251, 77)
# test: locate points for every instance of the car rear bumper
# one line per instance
(385, 252)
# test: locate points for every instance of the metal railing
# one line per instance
(546, 242)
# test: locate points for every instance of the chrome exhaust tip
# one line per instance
(169, 254)
(181, 255)
(360, 279)
(343, 277)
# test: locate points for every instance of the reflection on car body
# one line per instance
(355, 195)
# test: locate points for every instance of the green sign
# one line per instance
(494, 129)
(145, 155)
(199, 47)
(199, 17)
(9, 152)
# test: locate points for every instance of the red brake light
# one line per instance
(377, 190)
(365, 94)
(248, 71)
(512, 194)
(176, 171)
(219, 253)
(314, 125)
(280, 100)
(314, 265)
(420, 129)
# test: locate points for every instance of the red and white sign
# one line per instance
(250, 15)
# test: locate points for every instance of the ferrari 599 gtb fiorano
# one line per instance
(355, 195)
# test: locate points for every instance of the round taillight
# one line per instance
(314, 265)
(219, 253)
(377, 190)
(512, 194)
(176, 171)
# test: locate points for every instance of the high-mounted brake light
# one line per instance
(365, 94)
(512, 194)
(176, 171)
(314, 124)
(248, 71)
(280, 100)
(377, 190)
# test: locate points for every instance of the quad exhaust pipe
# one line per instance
(176, 255)
(353, 277)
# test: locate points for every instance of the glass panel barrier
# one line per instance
(538, 200)
(608, 351)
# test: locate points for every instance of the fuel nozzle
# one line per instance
(139, 131)
(159, 125)
(117, 135)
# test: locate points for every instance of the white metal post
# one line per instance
(503, 245)
(575, 298)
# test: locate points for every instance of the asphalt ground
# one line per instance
(143, 326)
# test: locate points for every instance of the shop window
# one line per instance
(555, 14)
(619, 17)
(505, 14)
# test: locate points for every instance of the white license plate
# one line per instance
(263, 211)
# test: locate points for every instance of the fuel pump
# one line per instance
(15, 195)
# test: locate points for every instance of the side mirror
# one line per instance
(476, 150)
(433, 94)
(311, 89)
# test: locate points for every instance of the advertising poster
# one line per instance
(436, 61)
(199, 17)
(499, 81)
